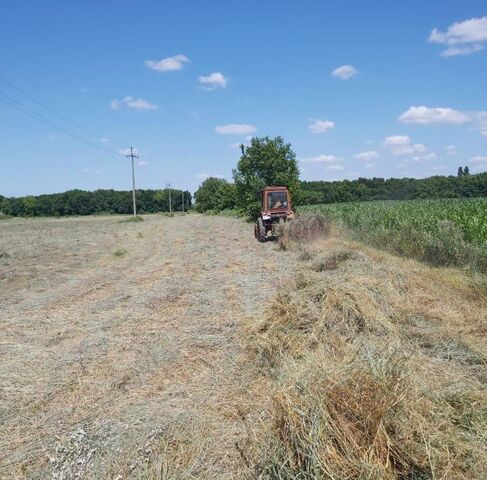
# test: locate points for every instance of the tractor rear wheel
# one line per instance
(260, 233)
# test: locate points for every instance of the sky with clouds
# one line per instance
(376, 88)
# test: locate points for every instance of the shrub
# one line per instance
(133, 219)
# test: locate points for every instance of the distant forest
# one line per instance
(365, 189)
(80, 202)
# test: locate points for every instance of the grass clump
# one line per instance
(136, 219)
(355, 393)
(120, 252)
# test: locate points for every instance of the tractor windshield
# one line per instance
(277, 200)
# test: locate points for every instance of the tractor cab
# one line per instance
(276, 207)
(276, 200)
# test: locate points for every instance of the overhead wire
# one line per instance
(47, 107)
(12, 102)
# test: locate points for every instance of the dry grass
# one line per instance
(378, 368)
(127, 366)
(363, 366)
(303, 228)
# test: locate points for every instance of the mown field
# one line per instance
(163, 350)
(443, 232)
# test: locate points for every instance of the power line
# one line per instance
(12, 102)
(47, 107)
(36, 115)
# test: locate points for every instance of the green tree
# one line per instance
(267, 161)
(466, 171)
(460, 172)
(215, 194)
(29, 206)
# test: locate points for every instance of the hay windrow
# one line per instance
(374, 373)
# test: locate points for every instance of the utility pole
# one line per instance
(168, 186)
(132, 156)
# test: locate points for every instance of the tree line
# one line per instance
(80, 202)
(268, 161)
(365, 189)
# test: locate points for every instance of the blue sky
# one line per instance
(374, 88)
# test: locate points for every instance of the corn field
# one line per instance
(469, 215)
(441, 232)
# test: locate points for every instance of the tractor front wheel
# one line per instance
(260, 233)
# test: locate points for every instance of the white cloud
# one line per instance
(422, 115)
(462, 38)
(213, 81)
(321, 159)
(481, 119)
(402, 145)
(169, 64)
(396, 140)
(142, 163)
(126, 151)
(370, 165)
(465, 50)
(345, 72)
(424, 158)
(371, 155)
(236, 129)
(426, 115)
(321, 126)
(246, 143)
(205, 176)
(481, 163)
(104, 140)
(479, 159)
(451, 150)
(480, 168)
(334, 168)
(430, 156)
(133, 103)
(87, 171)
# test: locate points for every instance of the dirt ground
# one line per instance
(119, 349)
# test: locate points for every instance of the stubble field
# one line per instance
(119, 344)
(180, 348)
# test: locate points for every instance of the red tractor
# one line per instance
(276, 208)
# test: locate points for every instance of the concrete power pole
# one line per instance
(132, 156)
(168, 186)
